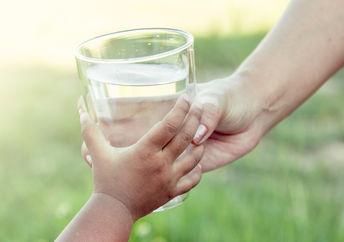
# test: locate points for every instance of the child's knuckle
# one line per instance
(186, 137)
(196, 112)
(184, 108)
(170, 127)
(158, 168)
(195, 160)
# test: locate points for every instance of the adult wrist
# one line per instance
(267, 95)
(256, 85)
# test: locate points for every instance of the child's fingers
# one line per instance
(93, 137)
(166, 129)
(187, 162)
(189, 181)
(85, 154)
(184, 137)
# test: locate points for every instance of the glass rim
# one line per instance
(187, 35)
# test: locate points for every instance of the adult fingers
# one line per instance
(189, 181)
(210, 101)
(86, 155)
(187, 162)
(166, 129)
(93, 137)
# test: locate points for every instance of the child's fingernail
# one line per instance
(200, 166)
(80, 111)
(201, 131)
(89, 159)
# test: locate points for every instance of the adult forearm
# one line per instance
(101, 219)
(303, 50)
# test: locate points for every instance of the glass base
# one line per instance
(172, 203)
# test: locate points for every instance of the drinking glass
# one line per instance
(132, 79)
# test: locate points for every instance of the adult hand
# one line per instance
(230, 126)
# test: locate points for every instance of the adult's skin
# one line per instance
(299, 54)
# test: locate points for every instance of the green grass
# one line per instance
(288, 189)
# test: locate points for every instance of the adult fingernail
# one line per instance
(80, 111)
(201, 131)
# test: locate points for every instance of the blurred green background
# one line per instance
(290, 188)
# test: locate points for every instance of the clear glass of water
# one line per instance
(132, 80)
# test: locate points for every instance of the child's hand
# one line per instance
(146, 175)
